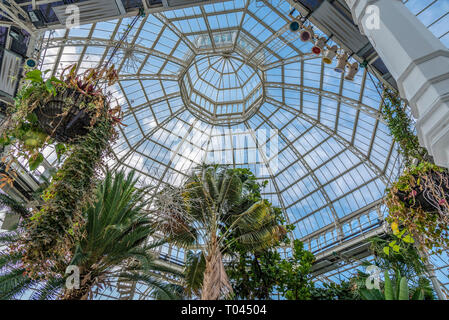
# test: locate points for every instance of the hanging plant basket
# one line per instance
(65, 117)
(420, 196)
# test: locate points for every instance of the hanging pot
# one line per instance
(62, 118)
(419, 202)
(423, 198)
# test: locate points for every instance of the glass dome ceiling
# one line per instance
(228, 82)
(221, 89)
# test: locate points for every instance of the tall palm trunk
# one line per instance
(216, 283)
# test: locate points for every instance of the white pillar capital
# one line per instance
(419, 63)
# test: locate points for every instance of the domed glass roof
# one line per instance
(221, 89)
(230, 83)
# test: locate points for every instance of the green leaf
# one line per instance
(60, 149)
(32, 118)
(34, 76)
(34, 164)
(373, 294)
(387, 251)
(403, 291)
(50, 87)
(56, 80)
(401, 234)
(418, 295)
(5, 140)
(194, 272)
(389, 293)
(396, 248)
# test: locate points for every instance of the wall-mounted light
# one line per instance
(306, 34)
(319, 46)
(352, 71)
(330, 54)
(341, 65)
(31, 63)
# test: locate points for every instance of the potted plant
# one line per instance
(73, 115)
(424, 186)
(55, 112)
(419, 199)
(74, 105)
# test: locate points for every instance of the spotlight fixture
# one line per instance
(306, 34)
(330, 54)
(31, 63)
(352, 71)
(319, 46)
(341, 65)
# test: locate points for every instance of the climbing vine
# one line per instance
(401, 127)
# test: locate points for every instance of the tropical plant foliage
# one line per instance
(393, 290)
(218, 208)
(396, 252)
(295, 277)
(401, 127)
(393, 253)
(13, 279)
(115, 244)
(254, 276)
(263, 274)
(117, 230)
(419, 200)
(345, 290)
(22, 130)
(52, 230)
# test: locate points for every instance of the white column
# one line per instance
(419, 63)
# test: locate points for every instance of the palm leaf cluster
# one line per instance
(217, 209)
(118, 242)
(14, 283)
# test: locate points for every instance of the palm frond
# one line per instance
(7, 259)
(15, 206)
(9, 237)
(116, 233)
(162, 290)
(50, 290)
(194, 272)
(14, 283)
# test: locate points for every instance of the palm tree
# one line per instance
(114, 245)
(216, 209)
(116, 235)
(13, 279)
